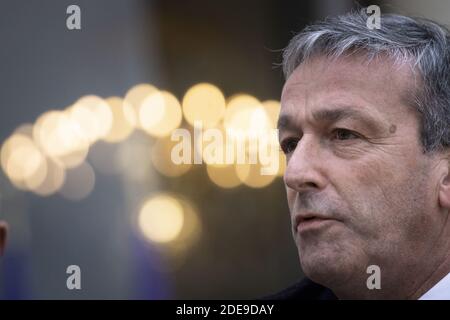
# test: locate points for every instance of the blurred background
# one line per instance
(85, 123)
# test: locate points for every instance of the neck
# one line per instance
(410, 281)
(439, 253)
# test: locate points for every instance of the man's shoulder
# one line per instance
(305, 289)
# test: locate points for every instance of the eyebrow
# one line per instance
(285, 122)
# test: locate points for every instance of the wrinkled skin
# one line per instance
(362, 165)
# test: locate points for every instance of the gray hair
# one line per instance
(422, 43)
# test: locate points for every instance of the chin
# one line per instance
(329, 267)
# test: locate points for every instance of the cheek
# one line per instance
(369, 190)
(387, 198)
(291, 194)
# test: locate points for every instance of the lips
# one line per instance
(309, 220)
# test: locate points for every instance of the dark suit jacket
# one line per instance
(306, 289)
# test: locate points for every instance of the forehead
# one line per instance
(378, 87)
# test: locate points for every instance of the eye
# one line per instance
(343, 134)
(289, 145)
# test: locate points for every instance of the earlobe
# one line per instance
(3, 234)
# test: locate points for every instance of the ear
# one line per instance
(444, 187)
(3, 233)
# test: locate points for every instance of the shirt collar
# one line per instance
(440, 291)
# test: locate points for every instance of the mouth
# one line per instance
(311, 221)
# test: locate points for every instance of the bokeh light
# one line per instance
(216, 147)
(161, 157)
(138, 96)
(61, 138)
(161, 218)
(23, 162)
(192, 226)
(224, 176)
(160, 114)
(240, 113)
(123, 120)
(36, 156)
(204, 102)
(272, 108)
(94, 116)
(54, 179)
(250, 175)
(152, 111)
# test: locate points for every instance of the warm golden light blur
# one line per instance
(161, 159)
(79, 182)
(192, 226)
(188, 236)
(8, 146)
(160, 114)
(123, 120)
(138, 94)
(37, 179)
(245, 115)
(250, 175)
(22, 161)
(223, 175)
(175, 251)
(272, 108)
(36, 156)
(61, 138)
(86, 120)
(54, 179)
(161, 218)
(204, 102)
(239, 111)
(282, 164)
(215, 146)
(152, 110)
(94, 116)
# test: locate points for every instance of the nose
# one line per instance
(304, 170)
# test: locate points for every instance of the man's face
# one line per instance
(354, 157)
